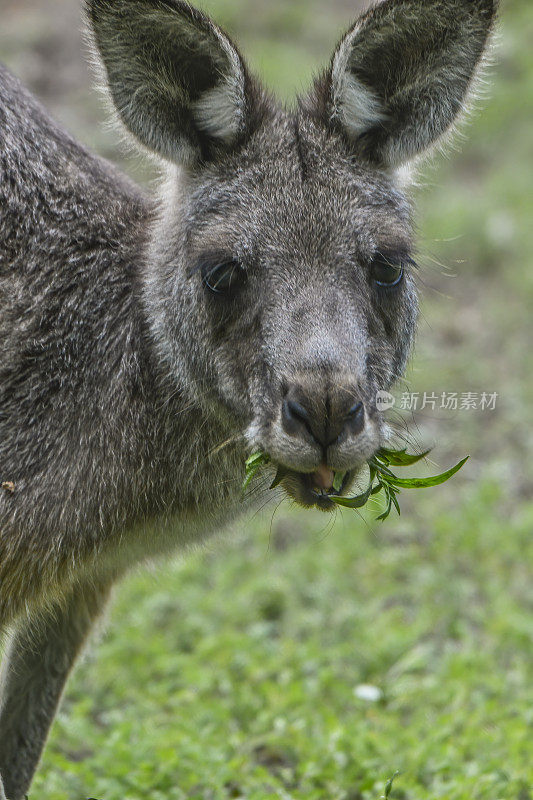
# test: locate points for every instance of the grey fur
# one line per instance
(45, 646)
(129, 393)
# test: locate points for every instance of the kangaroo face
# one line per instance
(279, 285)
(296, 265)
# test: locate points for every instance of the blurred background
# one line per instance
(307, 656)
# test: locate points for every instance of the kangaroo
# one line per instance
(148, 345)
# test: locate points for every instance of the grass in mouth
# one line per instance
(382, 479)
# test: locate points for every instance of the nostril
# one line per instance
(356, 418)
(294, 416)
(297, 410)
(356, 410)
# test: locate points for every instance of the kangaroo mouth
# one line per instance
(315, 489)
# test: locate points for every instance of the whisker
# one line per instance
(220, 447)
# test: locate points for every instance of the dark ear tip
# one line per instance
(95, 8)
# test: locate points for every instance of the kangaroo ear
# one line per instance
(175, 79)
(403, 74)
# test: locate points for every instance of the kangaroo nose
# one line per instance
(322, 418)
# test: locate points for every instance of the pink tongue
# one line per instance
(323, 478)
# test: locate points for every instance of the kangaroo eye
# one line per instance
(223, 278)
(385, 271)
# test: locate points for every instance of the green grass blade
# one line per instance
(388, 787)
(258, 459)
(386, 513)
(252, 466)
(354, 502)
(250, 475)
(401, 458)
(426, 483)
(337, 483)
(380, 467)
(396, 504)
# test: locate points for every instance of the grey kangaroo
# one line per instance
(147, 346)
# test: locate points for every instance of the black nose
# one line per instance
(325, 418)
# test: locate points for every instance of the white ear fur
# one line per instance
(356, 106)
(220, 111)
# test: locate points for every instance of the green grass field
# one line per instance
(306, 656)
(238, 672)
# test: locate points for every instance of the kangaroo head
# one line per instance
(280, 276)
